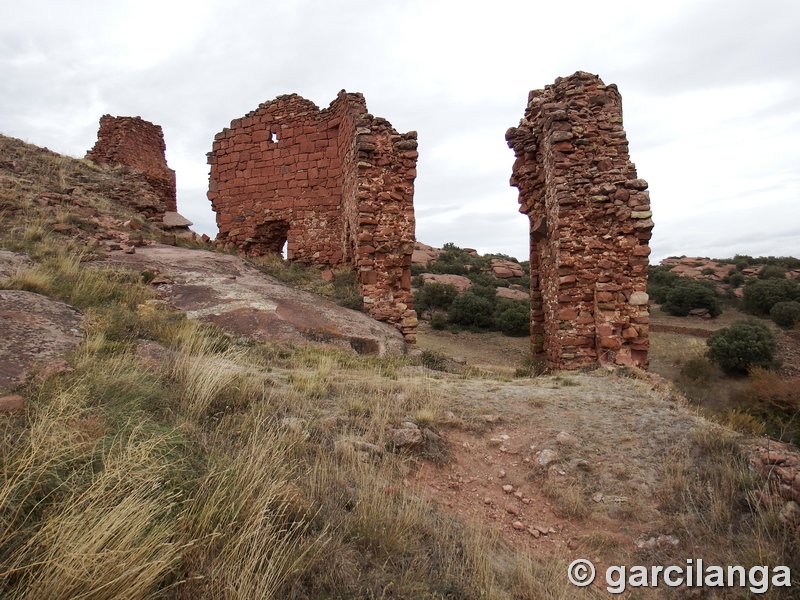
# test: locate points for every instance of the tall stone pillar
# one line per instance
(590, 226)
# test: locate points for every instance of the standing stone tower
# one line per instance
(590, 226)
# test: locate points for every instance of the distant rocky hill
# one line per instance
(719, 271)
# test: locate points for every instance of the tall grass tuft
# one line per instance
(112, 539)
(252, 527)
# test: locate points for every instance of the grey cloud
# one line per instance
(487, 232)
(719, 44)
(57, 78)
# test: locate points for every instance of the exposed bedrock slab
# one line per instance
(33, 329)
(226, 290)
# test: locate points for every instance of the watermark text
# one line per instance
(693, 573)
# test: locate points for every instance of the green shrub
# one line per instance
(483, 280)
(514, 319)
(435, 295)
(745, 344)
(660, 280)
(772, 272)
(735, 279)
(438, 321)
(785, 314)
(742, 261)
(761, 296)
(485, 291)
(471, 310)
(688, 295)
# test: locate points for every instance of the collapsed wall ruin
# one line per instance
(590, 225)
(136, 143)
(335, 186)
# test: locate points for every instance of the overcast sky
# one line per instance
(711, 95)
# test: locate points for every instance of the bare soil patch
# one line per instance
(491, 350)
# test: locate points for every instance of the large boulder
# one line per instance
(506, 269)
(462, 283)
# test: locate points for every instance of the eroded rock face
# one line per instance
(506, 269)
(590, 225)
(34, 329)
(335, 185)
(136, 143)
(424, 254)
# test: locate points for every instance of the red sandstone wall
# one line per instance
(137, 143)
(380, 168)
(590, 226)
(336, 184)
(275, 178)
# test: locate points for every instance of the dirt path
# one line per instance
(557, 462)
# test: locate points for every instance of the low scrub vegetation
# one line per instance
(477, 308)
(687, 295)
(716, 502)
(765, 285)
(760, 296)
(773, 399)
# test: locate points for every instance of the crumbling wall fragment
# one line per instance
(335, 186)
(136, 143)
(590, 225)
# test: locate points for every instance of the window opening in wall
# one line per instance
(275, 136)
(285, 250)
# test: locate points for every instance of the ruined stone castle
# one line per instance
(335, 187)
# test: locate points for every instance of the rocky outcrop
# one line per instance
(459, 281)
(424, 254)
(590, 225)
(335, 186)
(506, 269)
(36, 329)
(136, 143)
(225, 290)
(511, 294)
